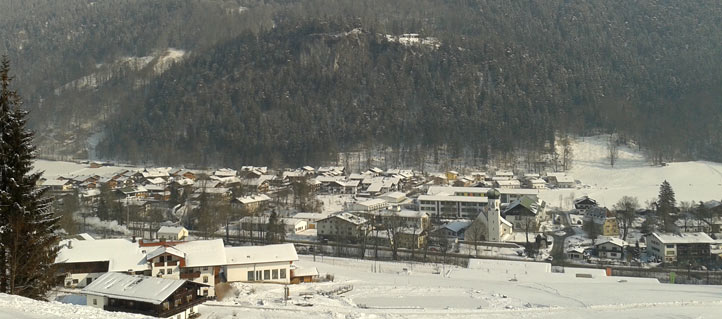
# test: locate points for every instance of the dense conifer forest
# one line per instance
(290, 82)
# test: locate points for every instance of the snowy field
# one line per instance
(633, 176)
(488, 289)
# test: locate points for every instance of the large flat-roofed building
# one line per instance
(679, 247)
(450, 206)
(508, 195)
(465, 202)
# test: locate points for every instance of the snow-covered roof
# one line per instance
(433, 190)
(457, 226)
(165, 250)
(133, 287)
(372, 202)
(253, 199)
(84, 236)
(121, 254)
(170, 229)
(565, 179)
(394, 195)
(684, 238)
(305, 272)
(512, 182)
(533, 205)
(55, 182)
(309, 216)
(613, 240)
(225, 172)
(375, 187)
(260, 254)
(402, 213)
(452, 198)
(201, 253)
(504, 173)
(351, 218)
(156, 172)
(156, 181)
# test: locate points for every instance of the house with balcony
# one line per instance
(80, 262)
(199, 261)
(611, 248)
(151, 296)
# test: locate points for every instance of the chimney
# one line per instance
(70, 244)
(133, 241)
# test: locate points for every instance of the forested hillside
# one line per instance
(291, 82)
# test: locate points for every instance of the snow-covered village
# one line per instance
(588, 242)
(375, 159)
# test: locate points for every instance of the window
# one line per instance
(75, 281)
(189, 298)
(166, 306)
(205, 268)
(613, 254)
(205, 279)
(250, 275)
(283, 273)
(275, 274)
(161, 259)
(670, 246)
(88, 280)
(170, 271)
(95, 301)
(177, 302)
(266, 274)
(161, 272)
(205, 292)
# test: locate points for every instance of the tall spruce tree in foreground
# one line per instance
(28, 241)
(666, 207)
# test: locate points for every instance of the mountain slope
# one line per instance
(301, 80)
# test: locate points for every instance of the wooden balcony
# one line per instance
(171, 263)
(190, 275)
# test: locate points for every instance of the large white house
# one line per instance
(79, 262)
(270, 263)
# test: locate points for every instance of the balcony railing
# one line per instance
(167, 263)
(190, 275)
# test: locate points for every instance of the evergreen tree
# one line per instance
(28, 242)
(666, 209)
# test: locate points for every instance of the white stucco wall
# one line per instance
(240, 272)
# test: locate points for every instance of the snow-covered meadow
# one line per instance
(487, 289)
(632, 175)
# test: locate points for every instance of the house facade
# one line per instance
(270, 263)
(670, 247)
(611, 248)
(342, 226)
(157, 297)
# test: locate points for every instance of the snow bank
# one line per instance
(15, 307)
